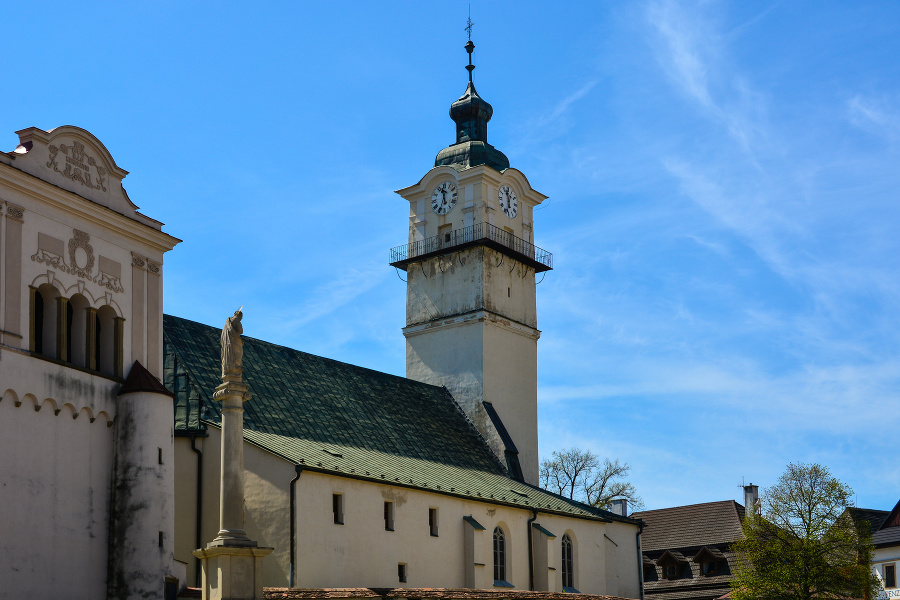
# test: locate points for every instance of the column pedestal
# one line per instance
(232, 573)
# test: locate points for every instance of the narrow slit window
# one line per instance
(388, 515)
(159, 455)
(337, 506)
(160, 539)
(433, 521)
(401, 572)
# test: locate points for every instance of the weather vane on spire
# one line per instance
(469, 45)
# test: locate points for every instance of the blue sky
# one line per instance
(723, 182)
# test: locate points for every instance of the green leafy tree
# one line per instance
(579, 475)
(802, 544)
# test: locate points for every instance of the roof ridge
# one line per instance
(688, 506)
(333, 360)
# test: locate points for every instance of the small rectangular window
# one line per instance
(890, 576)
(388, 515)
(160, 539)
(433, 521)
(159, 455)
(337, 506)
(401, 572)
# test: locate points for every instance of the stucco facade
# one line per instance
(360, 552)
(80, 302)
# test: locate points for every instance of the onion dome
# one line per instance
(471, 114)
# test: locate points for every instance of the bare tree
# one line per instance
(578, 474)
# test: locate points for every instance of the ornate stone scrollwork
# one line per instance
(52, 260)
(110, 282)
(76, 169)
(17, 213)
(137, 261)
(49, 253)
(153, 267)
(81, 240)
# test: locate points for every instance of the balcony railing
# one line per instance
(478, 234)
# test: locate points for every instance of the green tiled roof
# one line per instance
(338, 418)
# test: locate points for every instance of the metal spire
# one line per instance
(469, 45)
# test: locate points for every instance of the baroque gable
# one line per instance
(72, 159)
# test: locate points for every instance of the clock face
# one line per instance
(444, 198)
(508, 201)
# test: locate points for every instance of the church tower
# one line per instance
(470, 263)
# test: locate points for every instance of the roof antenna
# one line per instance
(469, 45)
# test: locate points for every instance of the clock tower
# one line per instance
(471, 263)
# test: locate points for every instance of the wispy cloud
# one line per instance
(692, 53)
(875, 116)
(333, 295)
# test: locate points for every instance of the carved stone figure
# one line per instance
(232, 345)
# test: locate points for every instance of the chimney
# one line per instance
(751, 497)
(619, 506)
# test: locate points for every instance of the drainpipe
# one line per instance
(640, 557)
(299, 470)
(531, 550)
(199, 510)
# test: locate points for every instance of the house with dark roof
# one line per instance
(685, 549)
(885, 527)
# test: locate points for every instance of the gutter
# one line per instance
(640, 560)
(199, 508)
(299, 470)
(533, 518)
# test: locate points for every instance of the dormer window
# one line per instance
(711, 561)
(672, 564)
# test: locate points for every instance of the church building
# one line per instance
(112, 438)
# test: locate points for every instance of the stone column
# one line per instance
(232, 563)
(232, 393)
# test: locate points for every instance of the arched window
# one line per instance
(44, 320)
(499, 555)
(109, 344)
(78, 339)
(37, 320)
(568, 563)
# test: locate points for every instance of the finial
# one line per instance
(469, 45)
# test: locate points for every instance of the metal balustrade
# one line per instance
(480, 233)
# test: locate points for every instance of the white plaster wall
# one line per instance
(143, 496)
(54, 491)
(267, 501)
(882, 557)
(510, 384)
(361, 553)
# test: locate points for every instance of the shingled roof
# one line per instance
(346, 420)
(696, 530)
(693, 525)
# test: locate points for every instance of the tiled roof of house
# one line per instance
(888, 534)
(867, 515)
(691, 526)
(347, 420)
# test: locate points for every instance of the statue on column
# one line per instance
(232, 345)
